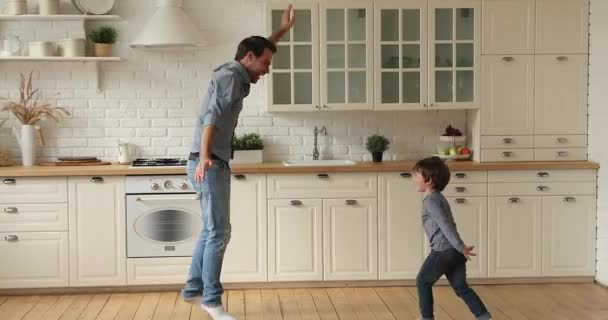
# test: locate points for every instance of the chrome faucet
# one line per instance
(315, 150)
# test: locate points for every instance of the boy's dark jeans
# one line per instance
(452, 263)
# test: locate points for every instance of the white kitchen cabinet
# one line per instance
(33, 190)
(401, 239)
(454, 54)
(568, 236)
(34, 259)
(560, 94)
(97, 231)
(155, 271)
(514, 236)
(400, 54)
(508, 95)
(346, 38)
(293, 83)
(34, 217)
(323, 185)
(246, 259)
(350, 239)
(295, 240)
(508, 26)
(471, 217)
(562, 26)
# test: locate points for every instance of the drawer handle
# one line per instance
(405, 175)
(562, 58)
(460, 189)
(508, 59)
(542, 188)
(9, 181)
(562, 153)
(350, 202)
(569, 199)
(562, 140)
(461, 200)
(542, 174)
(295, 203)
(11, 210)
(239, 177)
(11, 238)
(507, 154)
(507, 141)
(97, 179)
(323, 176)
(513, 200)
(460, 175)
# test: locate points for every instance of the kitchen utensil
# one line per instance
(10, 46)
(48, 7)
(96, 6)
(124, 154)
(41, 49)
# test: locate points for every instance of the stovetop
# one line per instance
(159, 162)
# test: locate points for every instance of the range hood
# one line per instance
(169, 27)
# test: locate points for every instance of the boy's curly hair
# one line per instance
(435, 170)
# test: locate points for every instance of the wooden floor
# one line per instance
(515, 302)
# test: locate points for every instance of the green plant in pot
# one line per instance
(377, 144)
(103, 38)
(247, 148)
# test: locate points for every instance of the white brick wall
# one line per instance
(150, 100)
(598, 116)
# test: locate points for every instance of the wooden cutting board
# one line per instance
(74, 163)
(78, 159)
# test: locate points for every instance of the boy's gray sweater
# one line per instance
(439, 224)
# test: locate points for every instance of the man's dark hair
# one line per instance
(255, 44)
(435, 170)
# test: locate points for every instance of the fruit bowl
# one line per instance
(454, 157)
(455, 139)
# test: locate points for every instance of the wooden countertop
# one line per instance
(386, 166)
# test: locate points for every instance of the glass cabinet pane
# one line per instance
(390, 56)
(465, 24)
(443, 86)
(302, 82)
(276, 23)
(411, 24)
(335, 25)
(302, 56)
(336, 86)
(335, 56)
(282, 59)
(302, 31)
(443, 24)
(443, 56)
(356, 24)
(356, 56)
(356, 86)
(390, 87)
(411, 56)
(389, 25)
(464, 86)
(411, 87)
(281, 88)
(464, 55)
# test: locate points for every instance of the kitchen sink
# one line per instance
(311, 163)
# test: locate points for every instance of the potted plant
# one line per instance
(247, 148)
(29, 112)
(377, 144)
(103, 38)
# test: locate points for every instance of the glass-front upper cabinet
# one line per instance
(293, 83)
(346, 55)
(454, 54)
(400, 54)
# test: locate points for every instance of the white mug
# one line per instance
(48, 7)
(15, 7)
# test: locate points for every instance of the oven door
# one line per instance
(162, 225)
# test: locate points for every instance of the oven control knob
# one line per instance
(183, 186)
(168, 184)
(154, 186)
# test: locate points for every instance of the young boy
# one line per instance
(449, 254)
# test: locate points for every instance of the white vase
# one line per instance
(247, 156)
(26, 142)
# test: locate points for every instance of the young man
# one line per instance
(208, 168)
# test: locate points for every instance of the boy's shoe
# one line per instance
(217, 312)
(191, 298)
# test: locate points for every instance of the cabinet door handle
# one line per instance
(9, 181)
(542, 188)
(508, 59)
(240, 177)
(513, 200)
(561, 140)
(507, 141)
(562, 153)
(405, 175)
(317, 107)
(460, 175)
(507, 154)
(11, 210)
(461, 200)
(350, 202)
(562, 58)
(295, 203)
(542, 174)
(569, 199)
(11, 238)
(323, 176)
(460, 189)
(97, 179)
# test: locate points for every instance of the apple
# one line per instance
(465, 150)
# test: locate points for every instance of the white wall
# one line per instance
(598, 130)
(151, 98)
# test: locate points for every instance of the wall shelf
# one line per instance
(58, 17)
